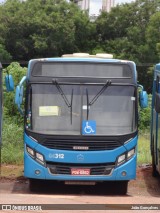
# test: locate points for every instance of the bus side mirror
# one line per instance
(143, 99)
(19, 94)
(9, 83)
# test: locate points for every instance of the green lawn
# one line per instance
(144, 155)
(12, 143)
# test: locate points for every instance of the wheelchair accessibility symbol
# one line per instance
(89, 127)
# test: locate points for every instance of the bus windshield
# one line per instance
(113, 110)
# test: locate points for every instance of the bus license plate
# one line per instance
(75, 171)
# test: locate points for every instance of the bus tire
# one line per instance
(154, 171)
(34, 185)
(122, 187)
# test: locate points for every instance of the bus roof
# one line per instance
(80, 59)
(99, 57)
(84, 57)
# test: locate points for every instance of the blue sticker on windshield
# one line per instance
(88, 127)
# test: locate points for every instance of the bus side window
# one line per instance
(157, 95)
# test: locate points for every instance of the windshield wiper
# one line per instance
(64, 97)
(87, 103)
(71, 106)
(108, 83)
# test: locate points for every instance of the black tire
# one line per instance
(34, 185)
(154, 171)
(122, 187)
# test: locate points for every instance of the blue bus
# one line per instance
(155, 122)
(81, 119)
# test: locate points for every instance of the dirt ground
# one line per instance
(144, 185)
(14, 189)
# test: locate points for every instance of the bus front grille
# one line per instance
(65, 169)
(80, 145)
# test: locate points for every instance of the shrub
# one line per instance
(10, 109)
(145, 116)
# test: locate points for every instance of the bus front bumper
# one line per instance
(33, 169)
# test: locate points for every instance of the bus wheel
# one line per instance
(154, 171)
(34, 185)
(122, 187)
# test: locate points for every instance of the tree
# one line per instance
(4, 55)
(123, 30)
(47, 28)
(153, 35)
(10, 109)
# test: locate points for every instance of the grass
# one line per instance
(144, 155)
(12, 143)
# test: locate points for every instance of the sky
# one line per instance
(95, 5)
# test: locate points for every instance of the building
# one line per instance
(107, 5)
(83, 4)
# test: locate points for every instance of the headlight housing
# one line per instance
(126, 156)
(30, 151)
(130, 153)
(39, 157)
(35, 155)
(121, 159)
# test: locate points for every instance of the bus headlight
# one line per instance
(39, 158)
(126, 156)
(35, 155)
(30, 151)
(130, 153)
(121, 159)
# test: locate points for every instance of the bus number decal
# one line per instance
(56, 156)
